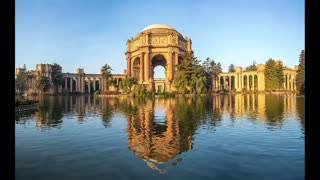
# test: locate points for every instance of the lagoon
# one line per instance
(241, 136)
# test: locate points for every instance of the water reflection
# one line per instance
(156, 132)
(159, 130)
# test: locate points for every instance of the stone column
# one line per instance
(71, 80)
(89, 81)
(287, 82)
(219, 82)
(102, 85)
(66, 83)
(253, 82)
(94, 84)
(284, 83)
(294, 85)
(146, 67)
(248, 82)
(83, 83)
(229, 83)
(80, 84)
(77, 84)
(129, 67)
(236, 82)
(242, 84)
(170, 65)
(141, 67)
(291, 83)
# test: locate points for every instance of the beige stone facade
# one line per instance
(251, 80)
(155, 45)
(79, 82)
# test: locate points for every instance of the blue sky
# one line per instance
(90, 33)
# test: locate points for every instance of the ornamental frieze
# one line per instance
(159, 40)
(136, 44)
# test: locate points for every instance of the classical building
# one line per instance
(156, 45)
(251, 80)
(79, 82)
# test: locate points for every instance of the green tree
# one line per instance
(190, 75)
(232, 68)
(215, 70)
(206, 66)
(139, 91)
(126, 84)
(212, 70)
(21, 78)
(43, 84)
(107, 75)
(252, 67)
(300, 79)
(56, 76)
(273, 75)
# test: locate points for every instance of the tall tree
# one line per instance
(300, 79)
(216, 69)
(126, 84)
(232, 68)
(56, 76)
(190, 75)
(273, 75)
(107, 75)
(21, 78)
(252, 67)
(208, 72)
(43, 84)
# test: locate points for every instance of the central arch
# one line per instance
(156, 45)
(159, 84)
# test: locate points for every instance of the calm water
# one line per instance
(218, 137)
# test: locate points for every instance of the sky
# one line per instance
(91, 33)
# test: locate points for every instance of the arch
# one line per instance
(227, 83)
(158, 60)
(222, 82)
(157, 45)
(160, 71)
(159, 84)
(136, 68)
(232, 82)
(245, 82)
(255, 80)
(250, 82)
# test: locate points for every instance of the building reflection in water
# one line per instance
(160, 129)
(155, 133)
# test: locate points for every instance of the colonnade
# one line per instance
(250, 80)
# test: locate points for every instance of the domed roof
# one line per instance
(155, 26)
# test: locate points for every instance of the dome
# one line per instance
(155, 26)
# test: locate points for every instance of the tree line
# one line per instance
(191, 76)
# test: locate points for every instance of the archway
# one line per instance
(136, 68)
(159, 62)
(155, 45)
